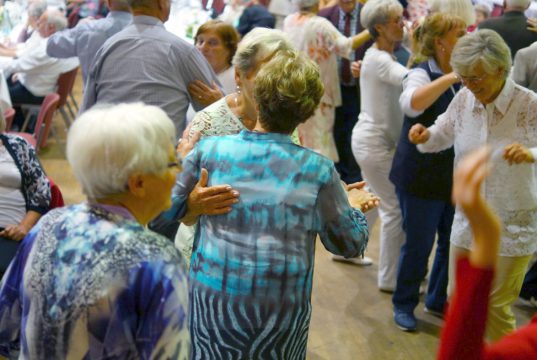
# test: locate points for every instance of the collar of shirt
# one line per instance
(118, 210)
(119, 14)
(256, 136)
(502, 100)
(147, 20)
(433, 66)
(353, 14)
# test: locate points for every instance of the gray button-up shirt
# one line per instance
(87, 38)
(144, 62)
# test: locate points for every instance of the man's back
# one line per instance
(512, 28)
(87, 38)
(144, 62)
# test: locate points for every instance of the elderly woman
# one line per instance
(423, 181)
(322, 42)
(24, 193)
(461, 8)
(217, 41)
(376, 134)
(256, 262)
(493, 109)
(89, 281)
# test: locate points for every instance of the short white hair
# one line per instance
(518, 3)
(257, 46)
(462, 8)
(378, 12)
(483, 47)
(37, 8)
(108, 144)
(57, 18)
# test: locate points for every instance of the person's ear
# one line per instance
(136, 185)
(237, 78)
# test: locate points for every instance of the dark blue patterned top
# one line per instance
(89, 282)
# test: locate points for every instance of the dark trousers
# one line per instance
(20, 95)
(346, 118)
(529, 287)
(422, 220)
(8, 249)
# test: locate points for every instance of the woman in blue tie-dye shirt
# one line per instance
(251, 271)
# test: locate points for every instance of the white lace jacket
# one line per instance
(512, 190)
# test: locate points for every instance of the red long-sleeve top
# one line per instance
(462, 336)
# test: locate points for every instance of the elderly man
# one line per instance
(525, 67)
(34, 74)
(29, 36)
(512, 25)
(492, 109)
(144, 62)
(87, 38)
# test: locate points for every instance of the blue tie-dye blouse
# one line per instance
(89, 282)
(251, 270)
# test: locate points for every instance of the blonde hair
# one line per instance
(435, 26)
(287, 90)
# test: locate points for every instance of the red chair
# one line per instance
(44, 121)
(66, 82)
(9, 115)
(56, 198)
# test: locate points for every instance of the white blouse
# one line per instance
(12, 204)
(511, 190)
(381, 118)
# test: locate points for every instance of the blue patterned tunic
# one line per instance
(89, 282)
(251, 270)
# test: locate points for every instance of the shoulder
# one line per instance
(329, 11)
(17, 143)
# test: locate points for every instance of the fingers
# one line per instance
(204, 178)
(516, 154)
(357, 185)
(418, 134)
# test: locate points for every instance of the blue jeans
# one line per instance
(422, 220)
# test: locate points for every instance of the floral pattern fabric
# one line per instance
(35, 185)
(322, 42)
(91, 283)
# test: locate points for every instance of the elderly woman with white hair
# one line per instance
(90, 281)
(493, 110)
(375, 136)
(322, 42)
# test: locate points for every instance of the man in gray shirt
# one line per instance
(525, 67)
(87, 37)
(144, 62)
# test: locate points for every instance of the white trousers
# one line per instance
(375, 163)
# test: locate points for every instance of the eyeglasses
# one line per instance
(210, 42)
(178, 163)
(472, 79)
